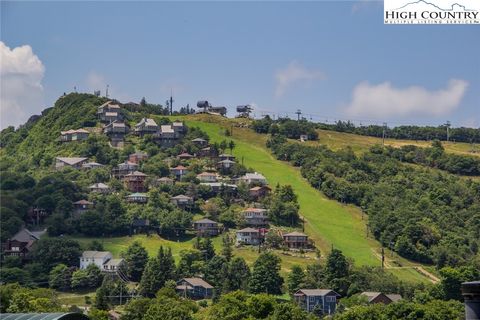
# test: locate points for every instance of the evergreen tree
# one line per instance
(59, 277)
(238, 275)
(101, 297)
(216, 272)
(157, 272)
(266, 275)
(337, 265)
(227, 250)
(295, 278)
(136, 259)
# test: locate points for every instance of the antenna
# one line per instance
(171, 101)
(75, 89)
(298, 114)
(106, 92)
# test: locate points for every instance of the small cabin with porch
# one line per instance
(194, 288)
(324, 300)
(206, 227)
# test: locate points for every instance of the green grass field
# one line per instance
(338, 140)
(328, 222)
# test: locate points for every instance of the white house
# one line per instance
(249, 236)
(253, 178)
(102, 259)
(98, 258)
(207, 177)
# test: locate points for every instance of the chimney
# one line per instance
(471, 294)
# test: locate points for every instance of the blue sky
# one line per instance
(333, 60)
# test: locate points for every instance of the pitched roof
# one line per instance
(136, 173)
(95, 254)
(83, 201)
(111, 114)
(248, 230)
(315, 292)
(25, 235)
(205, 220)
(177, 124)
(370, 295)
(99, 185)
(255, 175)
(255, 210)
(259, 188)
(219, 184)
(295, 234)
(226, 155)
(137, 194)
(185, 154)
(148, 122)
(71, 160)
(165, 179)
(394, 297)
(180, 167)
(198, 282)
(181, 196)
(199, 140)
(226, 161)
(139, 154)
(207, 174)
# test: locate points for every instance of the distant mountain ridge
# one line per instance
(435, 6)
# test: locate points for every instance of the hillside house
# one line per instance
(253, 179)
(249, 236)
(137, 197)
(63, 162)
(225, 164)
(296, 240)
(109, 112)
(303, 137)
(102, 259)
(137, 157)
(99, 188)
(166, 137)
(74, 135)
(140, 225)
(259, 192)
(206, 227)
(379, 297)
(179, 171)
(91, 165)
(199, 142)
(323, 299)
(135, 181)
(206, 152)
(225, 156)
(185, 156)
(116, 131)
(21, 243)
(179, 128)
(256, 217)
(165, 181)
(207, 177)
(182, 201)
(219, 187)
(194, 288)
(146, 126)
(124, 168)
(82, 206)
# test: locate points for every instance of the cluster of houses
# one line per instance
(319, 300)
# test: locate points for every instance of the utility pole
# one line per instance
(383, 133)
(298, 114)
(448, 130)
(383, 258)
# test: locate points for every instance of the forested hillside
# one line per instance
(422, 214)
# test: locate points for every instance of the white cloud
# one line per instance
(384, 100)
(21, 94)
(292, 74)
(96, 81)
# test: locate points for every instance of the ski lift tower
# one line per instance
(244, 111)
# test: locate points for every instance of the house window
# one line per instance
(330, 299)
(312, 299)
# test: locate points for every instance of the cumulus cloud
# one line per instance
(384, 100)
(292, 74)
(21, 94)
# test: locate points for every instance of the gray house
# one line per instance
(195, 288)
(323, 299)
